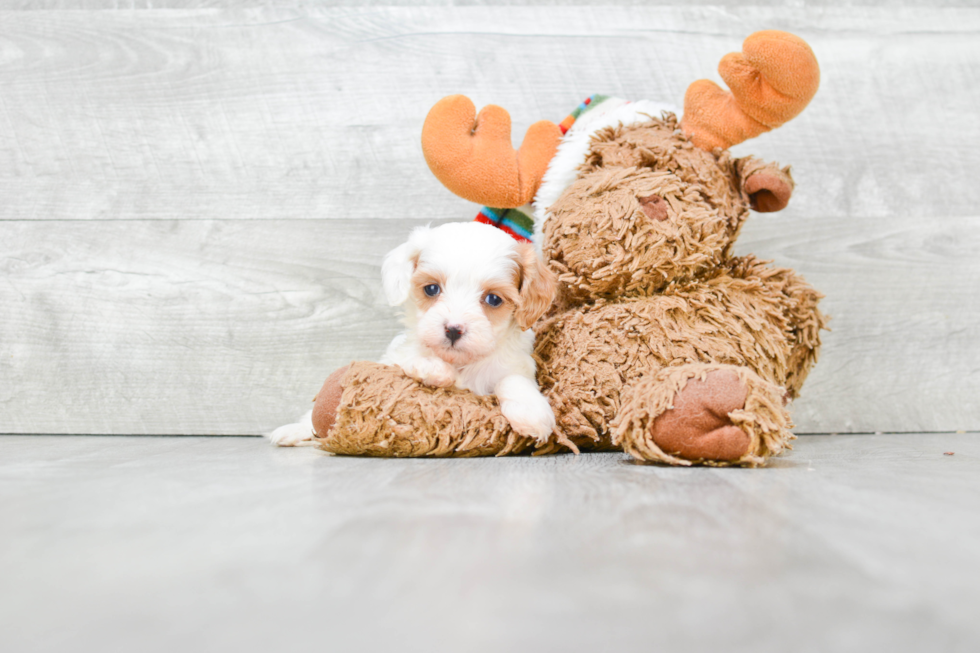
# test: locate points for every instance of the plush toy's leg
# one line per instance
(368, 409)
(798, 315)
(807, 321)
(703, 413)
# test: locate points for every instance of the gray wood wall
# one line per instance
(195, 195)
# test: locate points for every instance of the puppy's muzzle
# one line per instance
(453, 333)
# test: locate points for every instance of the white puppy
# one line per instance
(470, 294)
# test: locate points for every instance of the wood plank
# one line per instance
(211, 327)
(229, 327)
(904, 351)
(315, 112)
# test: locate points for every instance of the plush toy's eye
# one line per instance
(432, 290)
(493, 300)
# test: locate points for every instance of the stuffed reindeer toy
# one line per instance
(659, 342)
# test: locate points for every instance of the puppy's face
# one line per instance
(464, 286)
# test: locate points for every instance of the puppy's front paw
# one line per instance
(433, 372)
(532, 417)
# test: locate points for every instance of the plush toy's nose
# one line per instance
(655, 207)
(454, 332)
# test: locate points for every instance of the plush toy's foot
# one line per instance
(699, 426)
(708, 414)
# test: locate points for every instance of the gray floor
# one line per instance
(849, 543)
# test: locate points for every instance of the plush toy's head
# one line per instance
(649, 208)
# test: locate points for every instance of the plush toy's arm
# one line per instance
(473, 157)
(771, 81)
(370, 409)
(768, 186)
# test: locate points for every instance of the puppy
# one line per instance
(470, 294)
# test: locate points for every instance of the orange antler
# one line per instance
(771, 81)
(473, 157)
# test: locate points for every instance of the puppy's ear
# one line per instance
(399, 266)
(537, 286)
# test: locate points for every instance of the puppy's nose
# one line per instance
(454, 332)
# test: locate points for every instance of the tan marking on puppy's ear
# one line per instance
(537, 286)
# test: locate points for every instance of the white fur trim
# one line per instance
(563, 169)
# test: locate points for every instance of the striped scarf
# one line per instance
(518, 222)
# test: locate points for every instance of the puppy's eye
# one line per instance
(432, 290)
(493, 300)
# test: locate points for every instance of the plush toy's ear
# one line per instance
(473, 157)
(399, 266)
(538, 285)
(771, 81)
(768, 186)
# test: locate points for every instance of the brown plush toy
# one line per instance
(660, 342)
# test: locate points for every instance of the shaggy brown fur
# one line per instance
(603, 245)
(758, 414)
(660, 343)
(747, 315)
(383, 412)
(659, 145)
